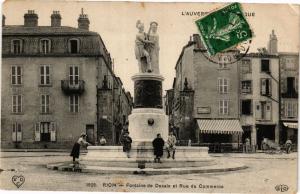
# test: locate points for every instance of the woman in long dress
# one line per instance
(158, 145)
(76, 148)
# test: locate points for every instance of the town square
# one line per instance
(95, 102)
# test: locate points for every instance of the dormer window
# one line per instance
(16, 46)
(45, 46)
(74, 46)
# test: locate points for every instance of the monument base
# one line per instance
(112, 160)
(145, 124)
(115, 153)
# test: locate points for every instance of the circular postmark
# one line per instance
(231, 55)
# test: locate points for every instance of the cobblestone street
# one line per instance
(264, 173)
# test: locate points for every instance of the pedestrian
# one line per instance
(126, 142)
(189, 143)
(247, 145)
(158, 145)
(264, 144)
(171, 145)
(76, 148)
(102, 140)
(288, 145)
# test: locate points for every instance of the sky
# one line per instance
(116, 24)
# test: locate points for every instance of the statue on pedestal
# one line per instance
(147, 48)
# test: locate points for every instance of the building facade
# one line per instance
(289, 79)
(211, 101)
(205, 97)
(50, 76)
(259, 99)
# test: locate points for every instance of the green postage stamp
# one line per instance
(224, 28)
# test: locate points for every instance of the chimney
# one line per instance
(198, 41)
(31, 19)
(3, 20)
(55, 19)
(83, 21)
(272, 46)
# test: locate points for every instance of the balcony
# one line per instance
(70, 87)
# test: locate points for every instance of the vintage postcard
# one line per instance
(149, 97)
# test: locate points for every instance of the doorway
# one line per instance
(90, 134)
(265, 131)
(246, 133)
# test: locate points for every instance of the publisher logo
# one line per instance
(18, 180)
(281, 188)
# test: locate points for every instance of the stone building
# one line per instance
(205, 97)
(289, 78)
(258, 93)
(50, 76)
(259, 99)
(114, 105)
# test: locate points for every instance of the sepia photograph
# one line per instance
(159, 97)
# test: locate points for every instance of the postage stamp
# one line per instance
(224, 28)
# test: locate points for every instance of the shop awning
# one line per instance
(219, 126)
(291, 125)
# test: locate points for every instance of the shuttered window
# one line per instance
(16, 75)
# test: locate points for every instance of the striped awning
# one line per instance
(219, 126)
(291, 125)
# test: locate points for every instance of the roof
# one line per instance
(44, 30)
(219, 126)
(288, 53)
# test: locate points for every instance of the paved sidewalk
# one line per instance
(34, 150)
(261, 155)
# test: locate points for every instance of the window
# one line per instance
(16, 132)
(17, 103)
(266, 87)
(223, 84)
(265, 65)
(263, 110)
(290, 63)
(291, 109)
(223, 65)
(246, 107)
(73, 46)
(45, 46)
(290, 84)
(16, 75)
(223, 107)
(16, 46)
(45, 131)
(74, 103)
(246, 66)
(74, 74)
(45, 74)
(45, 99)
(246, 86)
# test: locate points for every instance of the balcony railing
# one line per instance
(72, 87)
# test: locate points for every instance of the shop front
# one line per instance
(220, 135)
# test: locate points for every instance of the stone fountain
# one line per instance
(146, 121)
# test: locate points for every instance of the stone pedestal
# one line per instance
(146, 123)
(148, 117)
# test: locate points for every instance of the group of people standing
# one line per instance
(158, 146)
(126, 141)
